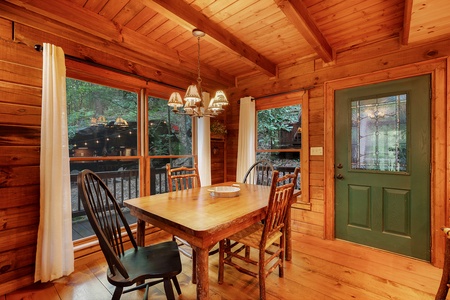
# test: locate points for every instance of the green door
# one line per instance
(382, 166)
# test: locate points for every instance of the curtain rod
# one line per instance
(39, 48)
(304, 89)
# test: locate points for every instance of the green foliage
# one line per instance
(86, 100)
(272, 121)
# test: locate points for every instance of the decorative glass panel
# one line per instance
(379, 134)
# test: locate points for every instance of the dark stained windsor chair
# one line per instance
(259, 173)
(159, 262)
(268, 236)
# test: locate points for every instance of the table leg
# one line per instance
(288, 246)
(140, 233)
(202, 268)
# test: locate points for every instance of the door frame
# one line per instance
(439, 186)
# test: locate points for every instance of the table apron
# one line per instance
(203, 240)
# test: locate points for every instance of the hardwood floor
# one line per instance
(332, 270)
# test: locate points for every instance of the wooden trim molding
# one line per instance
(440, 143)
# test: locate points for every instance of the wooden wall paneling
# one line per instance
(20, 99)
(345, 66)
(19, 135)
(20, 114)
(19, 74)
(26, 155)
(31, 36)
(20, 94)
(6, 31)
(19, 196)
(218, 160)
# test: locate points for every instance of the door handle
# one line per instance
(339, 176)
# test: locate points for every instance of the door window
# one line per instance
(379, 134)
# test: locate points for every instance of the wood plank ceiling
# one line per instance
(153, 38)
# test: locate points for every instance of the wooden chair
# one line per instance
(160, 262)
(179, 179)
(267, 237)
(182, 178)
(259, 173)
(445, 279)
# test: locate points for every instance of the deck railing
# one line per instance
(124, 184)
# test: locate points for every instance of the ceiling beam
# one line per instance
(189, 18)
(298, 15)
(407, 14)
(92, 30)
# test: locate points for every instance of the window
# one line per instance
(280, 128)
(279, 137)
(169, 140)
(102, 123)
(379, 134)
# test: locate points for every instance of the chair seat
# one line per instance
(251, 236)
(155, 261)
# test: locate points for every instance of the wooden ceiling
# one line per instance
(153, 38)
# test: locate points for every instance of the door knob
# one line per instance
(339, 166)
(339, 176)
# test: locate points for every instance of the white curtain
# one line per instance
(246, 140)
(204, 146)
(54, 256)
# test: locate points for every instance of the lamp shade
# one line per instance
(220, 98)
(192, 94)
(175, 100)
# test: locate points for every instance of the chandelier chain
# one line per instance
(199, 79)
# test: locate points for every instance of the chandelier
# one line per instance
(193, 103)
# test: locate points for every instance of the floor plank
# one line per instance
(319, 270)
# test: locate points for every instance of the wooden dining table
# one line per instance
(201, 219)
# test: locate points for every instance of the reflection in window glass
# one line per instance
(102, 121)
(169, 133)
(379, 134)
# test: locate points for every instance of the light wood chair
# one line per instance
(160, 262)
(267, 237)
(259, 173)
(179, 179)
(445, 279)
(182, 178)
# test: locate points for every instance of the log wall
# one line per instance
(20, 102)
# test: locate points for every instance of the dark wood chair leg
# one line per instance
(177, 285)
(443, 286)
(117, 293)
(168, 289)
